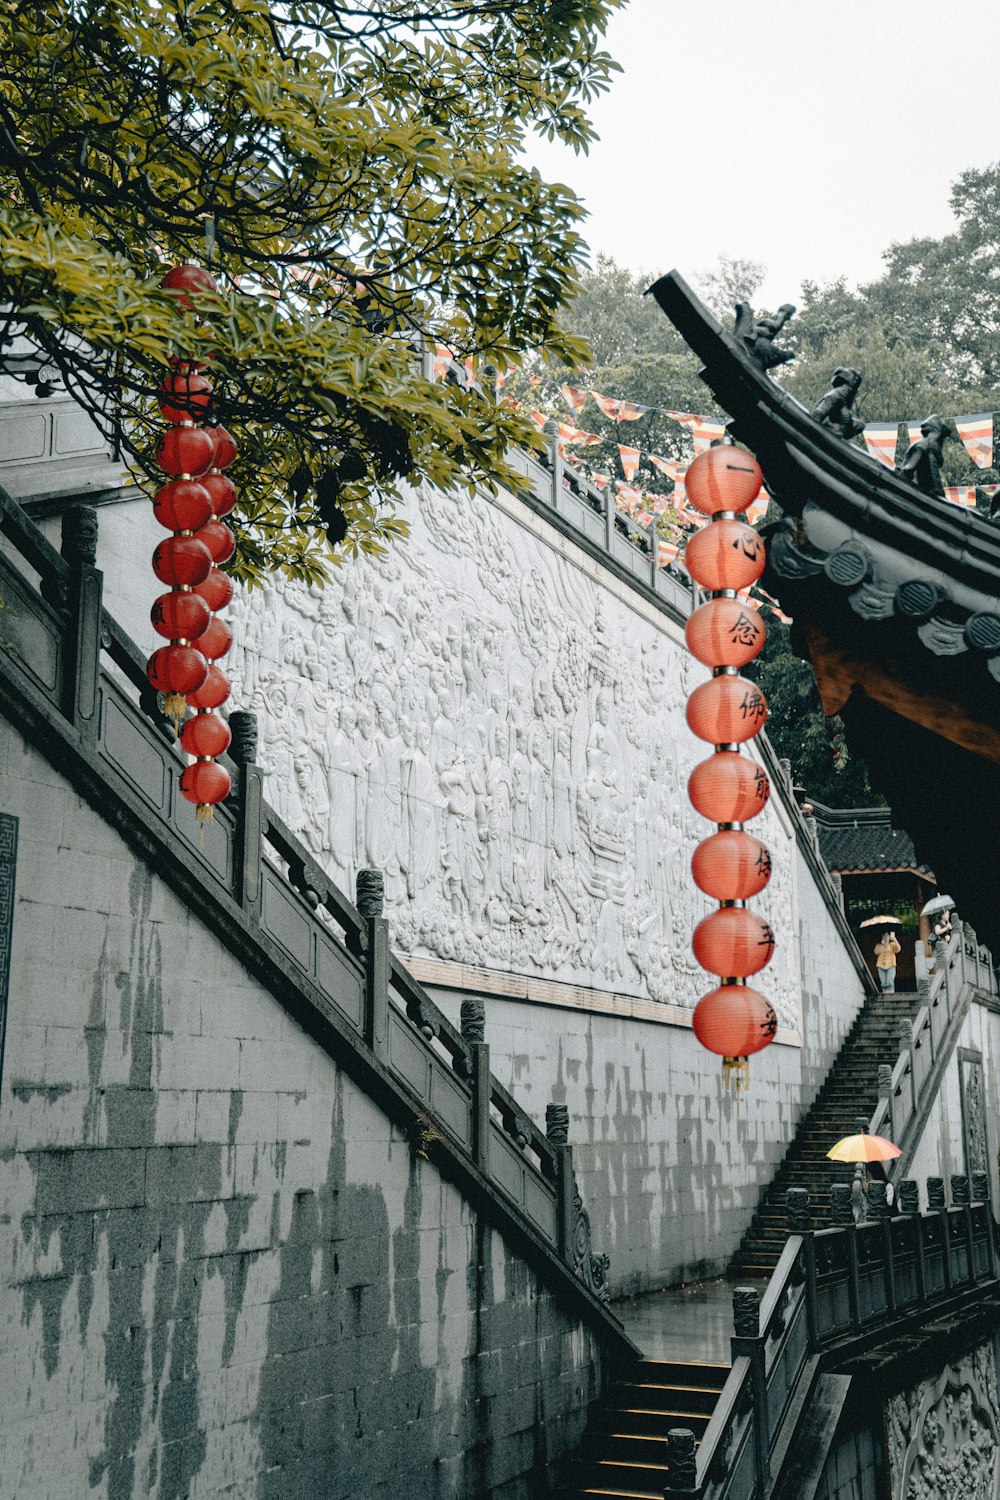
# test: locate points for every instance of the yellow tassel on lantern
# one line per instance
(736, 1073)
(175, 709)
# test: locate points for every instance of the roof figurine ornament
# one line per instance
(833, 409)
(922, 464)
(758, 335)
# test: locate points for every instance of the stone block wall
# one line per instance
(223, 1270)
(960, 1134)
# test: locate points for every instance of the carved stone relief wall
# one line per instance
(973, 1111)
(943, 1434)
(503, 736)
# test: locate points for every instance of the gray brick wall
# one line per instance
(223, 1272)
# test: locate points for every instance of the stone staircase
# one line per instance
(850, 1091)
(623, 1455)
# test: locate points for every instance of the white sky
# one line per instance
(802, 134)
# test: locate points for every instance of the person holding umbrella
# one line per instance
(885, 961)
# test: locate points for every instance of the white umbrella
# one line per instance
(936, 904)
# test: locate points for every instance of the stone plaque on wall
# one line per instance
(943, 1434)
(500, 729)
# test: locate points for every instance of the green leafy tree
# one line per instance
(352, 176)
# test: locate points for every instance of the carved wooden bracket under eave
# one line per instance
(837, 675)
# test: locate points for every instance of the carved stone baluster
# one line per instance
(82, 665)
(477, 1068)
(960, 1199)
(747, 1341)
(935, 1201)
(681, 1465)
(909, 1196)
(249, 810)
(909, 1203)
(980, 1187)
(370, 892)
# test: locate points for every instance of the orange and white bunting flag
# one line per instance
(913, 433)
(880, 440)
(629, 412)
(575, 398)
(534, 380)
(704, 430)
(630, 458)
(539, 418)
(989, 490)
(977, 435)
(961, 494)
(628, 496)
(571, 434)
(601, 480)
(607, 404)
(667, 552)
(668, 466)
(442, 359)
(757, 510)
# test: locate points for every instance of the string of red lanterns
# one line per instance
(732, 1020)
(190, 506)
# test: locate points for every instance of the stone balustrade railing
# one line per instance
(76, 685)
(830, 1286)
(907, 1087)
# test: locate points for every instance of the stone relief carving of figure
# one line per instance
(512, 756)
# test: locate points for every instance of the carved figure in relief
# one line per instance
(343, 766)
(422, 805)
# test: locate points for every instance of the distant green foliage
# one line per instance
(358, 170)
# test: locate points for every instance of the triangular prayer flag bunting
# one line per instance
(757, 510)
(880, 440)
(442, 359)
(668, 466)
(961, 494)
(704, 430)
(977, 434)
(601, 480)
(989, 490)
(912, 433)
(629, 412)
(666, 552)
(576, 398)
(539, 418)
(630, 461)
(534, 380)
(607, 404)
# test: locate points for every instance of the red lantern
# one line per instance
(183, 505)
(723, 478)
(728, 788)
(725, 555)
(217, 590)
(725, 633)
(216, 640)
(185, 451)
(225, 448)
(177, 669)
(206, 735)
(205, 783)
(215, 691)
(726, 710)
(219, 540)
(734, 1021)
(180, 616)
(184, 396)
(188, 278)
(733, 942)
(182, 561)
(222, 490)
(729, 866)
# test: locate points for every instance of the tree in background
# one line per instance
(351, 174)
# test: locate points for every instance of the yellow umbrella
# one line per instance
(864, 1148)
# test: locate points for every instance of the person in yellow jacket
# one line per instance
(885, 961)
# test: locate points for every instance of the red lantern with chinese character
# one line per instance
(205, 783)
(183, 505)
(182, 561)
(723, 478)
(185, 452)
(180, 616)
(725, 633)
(728, 788)
(730, 865)
(725, 555)
(733, 942)
(726, 710)
(734, 1021)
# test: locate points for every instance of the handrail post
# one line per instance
(473, 1022)
(82, 669)
(799, 1220)
(981, 1194)
(960, 1199)
(885, 1092)
(249, 811)
(681, 1466)
(842, 1215)
(878, 1209)
(909, 1204)
(557, 1131)
(747, 1341)
(654, 553)
(370, 890)
(906, 1045)
(936, 1203)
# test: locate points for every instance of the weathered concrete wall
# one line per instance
(961, 1132)
(382, 699)
(223, 1272)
